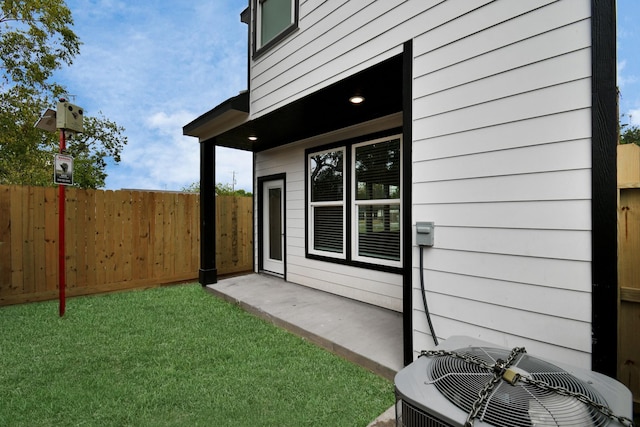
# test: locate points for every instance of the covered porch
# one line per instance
(367, 335)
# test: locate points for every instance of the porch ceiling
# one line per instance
(323, 111)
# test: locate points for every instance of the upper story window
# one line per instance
(274, 20)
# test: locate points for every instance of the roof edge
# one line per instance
(237, 105)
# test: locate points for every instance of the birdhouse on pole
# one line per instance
(69, 116)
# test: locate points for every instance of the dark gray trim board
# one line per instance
(407, 159)
(604, 212)
(208, 273)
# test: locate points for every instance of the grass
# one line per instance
(172, 356)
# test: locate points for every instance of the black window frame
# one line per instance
(349, 258)
(260, 50)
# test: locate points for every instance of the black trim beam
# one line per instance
(380, 84)
(604, 188)
(407, 247)
(208, 273)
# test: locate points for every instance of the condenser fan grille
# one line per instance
(522, 404)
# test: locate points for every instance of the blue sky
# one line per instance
(154, 66)
(628, 52)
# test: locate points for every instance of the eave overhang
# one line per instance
(321, 112)
(228, 115)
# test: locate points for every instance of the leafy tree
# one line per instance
(100, 139)
(22, 159)
(194, 187)
(221, 190)
(35, 40)
(630, 134)
(26, 153)
(228, 190)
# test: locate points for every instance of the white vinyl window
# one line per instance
(274, 17)
(376, 192)
(326, 203)
(371, 218)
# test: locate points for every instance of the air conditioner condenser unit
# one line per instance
(441, 388)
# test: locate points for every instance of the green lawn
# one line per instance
(173, 356)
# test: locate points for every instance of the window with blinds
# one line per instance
(326, 202)
(373, 222)
(377, 176)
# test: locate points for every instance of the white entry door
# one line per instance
(273, 226)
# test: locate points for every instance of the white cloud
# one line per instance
(623, 79)
(153, 67)
(634, 117)
(172, 160)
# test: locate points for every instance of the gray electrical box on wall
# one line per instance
(424, 233)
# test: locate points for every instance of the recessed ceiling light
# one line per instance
(356, 99)
(253, 138)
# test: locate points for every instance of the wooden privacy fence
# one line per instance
(115, 240)
(234, 234)
(629, 269)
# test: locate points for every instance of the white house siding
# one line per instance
(373, 287)
(502, 164)
(501, 156)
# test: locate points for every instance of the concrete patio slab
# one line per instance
(362, 333)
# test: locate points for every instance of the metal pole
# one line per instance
(61, 254)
